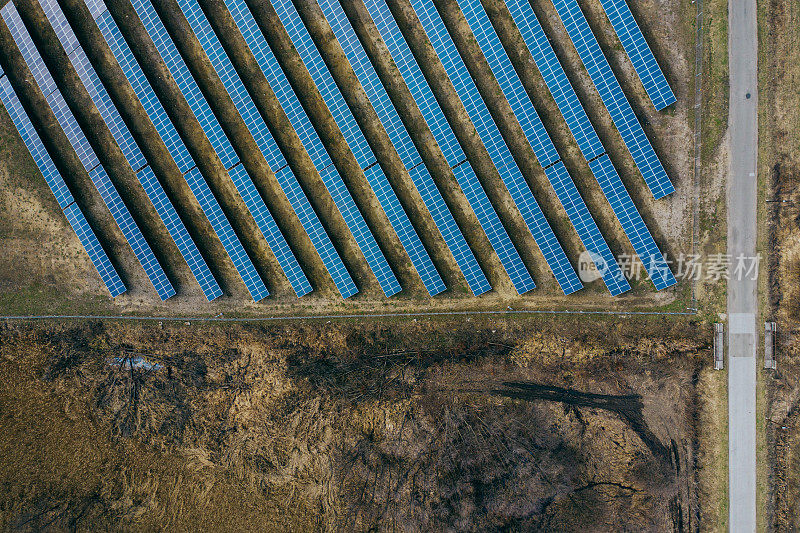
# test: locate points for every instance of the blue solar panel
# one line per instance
(179, 234)
(640, 237)
(614, 99)
(271, 232)
(96, 7)
(100, 179)
(29, 53)
(72, 129)
(59, 23)
(635, 45)
(213, 130)
(578, 121)
(266, 143)
(487, 129)
(177, 149)
(144, 91)
(509, 82)
(358, 144)
(56, 183)
(152, 187)
(96, 253)
(543, 146)
(408, 153)
(224, 230)
(448, 142)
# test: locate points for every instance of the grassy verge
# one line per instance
(712, 297)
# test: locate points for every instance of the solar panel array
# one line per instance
(222, 146)
(266, 143)
(635, 45)
(179, 233)
(107, 109)
(588, 141)
(543, 54)
(498, 150)
(168, 133)
(359, 146)
(543, 147)
(28, 50)
(132, 153)
(614, 99)
(313, 144)
(144, 92)
(448, 142)
(75, 217)
(408, 153)
(91, 163)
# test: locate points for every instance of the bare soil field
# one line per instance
(780, 170)
(420, 425)
(39, 279)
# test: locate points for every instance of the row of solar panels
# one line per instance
(501, 65)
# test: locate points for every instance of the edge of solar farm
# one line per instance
(74, 215)
(543, 147)
(130, 149)
(239, 175)
(613, 97)
(165, 129)
(589, 142)
(639, 52)
(88, 158)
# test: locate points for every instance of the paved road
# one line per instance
(742, 301)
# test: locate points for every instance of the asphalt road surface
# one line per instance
(742, 301)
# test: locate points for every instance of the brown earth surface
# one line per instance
(780, 166)
(416, 425)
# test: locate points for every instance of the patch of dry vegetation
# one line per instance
(780, 165)
(415, 425)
